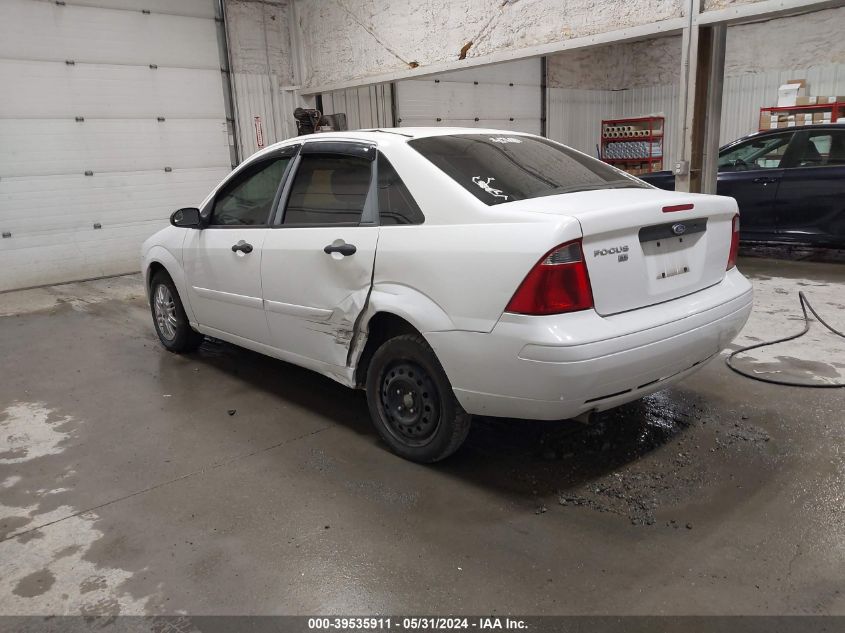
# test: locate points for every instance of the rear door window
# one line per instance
(498, 169)
(820, 149)
(328, 189)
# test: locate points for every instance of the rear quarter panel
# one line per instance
(464, 274)
(459, 269)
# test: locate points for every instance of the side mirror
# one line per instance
(187, 218)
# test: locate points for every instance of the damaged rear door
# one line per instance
(317, 265)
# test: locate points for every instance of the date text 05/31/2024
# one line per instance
(377, 623)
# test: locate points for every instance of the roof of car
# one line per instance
(381, 135)
(408, 132)
(797, 128)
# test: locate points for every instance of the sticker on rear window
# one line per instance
(504, 139)
(485, 184)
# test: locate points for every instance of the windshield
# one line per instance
(497, 169)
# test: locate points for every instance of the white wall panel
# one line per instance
(33, 147)
(365, 106)
(525, 71)
(505, 96)
(72, 255)
(46, 31)
(427, 99)
(54, 89)
(47, 204)
(51, 219)
(191, 8)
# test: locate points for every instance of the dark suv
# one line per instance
(789, 184)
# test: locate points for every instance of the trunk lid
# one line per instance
(637, 254)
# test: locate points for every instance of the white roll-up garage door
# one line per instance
(112, 115)
(506, 96)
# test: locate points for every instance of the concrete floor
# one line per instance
(127, 487)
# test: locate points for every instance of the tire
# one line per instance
(169, 318)
(411, 401)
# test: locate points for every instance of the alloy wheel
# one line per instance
(164, 309)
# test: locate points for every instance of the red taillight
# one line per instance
(557, 283)
(734, 243)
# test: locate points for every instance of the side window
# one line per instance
(759, 153)
(246, 200)
(395, 203)
(328, 189)
(821, 149)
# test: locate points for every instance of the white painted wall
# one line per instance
(263, 71)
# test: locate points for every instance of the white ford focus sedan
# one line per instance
(453, 272)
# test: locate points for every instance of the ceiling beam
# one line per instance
(764, 10)
(672, 26)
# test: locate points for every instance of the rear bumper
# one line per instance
(561, 366)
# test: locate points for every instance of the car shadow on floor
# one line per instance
(518, 457)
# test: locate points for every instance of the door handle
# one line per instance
(243, 247)
(343, 249)
(765, 179)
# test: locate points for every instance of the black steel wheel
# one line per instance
(412, 403)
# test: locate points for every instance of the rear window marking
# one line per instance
(504, 139)
(496, 193)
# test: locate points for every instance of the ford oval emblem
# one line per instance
(678, 229)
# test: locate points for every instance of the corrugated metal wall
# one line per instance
(365, 106)
(746, 94)
(574, 116)
(261, 95)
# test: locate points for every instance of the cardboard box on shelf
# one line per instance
(823, 100)
(802, 101)
(804, 118)
(789, 92)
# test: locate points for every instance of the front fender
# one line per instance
(173, 266)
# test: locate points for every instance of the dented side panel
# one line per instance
(313, 299)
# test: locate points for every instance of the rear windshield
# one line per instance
(497, 169)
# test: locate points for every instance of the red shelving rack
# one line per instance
(836, 109)
(634, 144)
